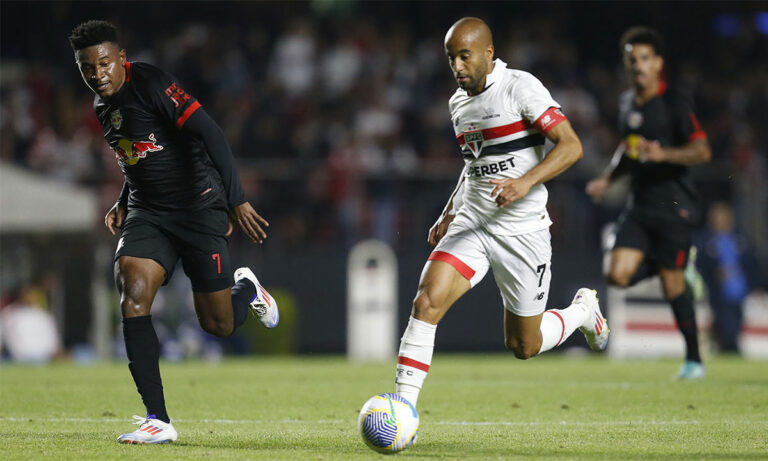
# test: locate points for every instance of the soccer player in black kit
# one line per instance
(662, 138)
(180, 197)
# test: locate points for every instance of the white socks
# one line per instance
(414, 358)
(558, 324)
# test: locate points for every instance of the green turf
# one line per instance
(473, 407)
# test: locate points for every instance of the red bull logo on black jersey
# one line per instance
(131, 152)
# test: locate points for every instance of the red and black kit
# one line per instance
(664, 206)
(180, 179)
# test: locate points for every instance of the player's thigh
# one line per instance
(144, 260)
(138, 280)
(633, 243)
(440, 286)
(624, 264)
(672, 240)
(144, 235)
(522, 268)
(214, 311)
(458, 263)
(201, 243)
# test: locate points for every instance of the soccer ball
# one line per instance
(388, 423)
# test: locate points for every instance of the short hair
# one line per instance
(92, 33)
(643, 35)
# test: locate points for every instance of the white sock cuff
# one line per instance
(419, 333)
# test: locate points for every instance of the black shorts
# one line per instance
(666, 239)
(197, 237)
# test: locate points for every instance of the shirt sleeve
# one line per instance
(536, 104)
(687, 125)
(202, 126)
(169, 98)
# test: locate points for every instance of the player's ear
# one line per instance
(123, 56)
(489, 52)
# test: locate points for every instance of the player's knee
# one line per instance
(217, 327)
(134, 298)
(618, 278)
(522, 350)
(424, 309)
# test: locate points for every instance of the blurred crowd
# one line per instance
(339, 121)
(337, 110)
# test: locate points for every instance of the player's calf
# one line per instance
(522, 349)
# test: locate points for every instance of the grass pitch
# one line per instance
(473, 407)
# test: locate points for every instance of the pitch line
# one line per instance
(342, 421)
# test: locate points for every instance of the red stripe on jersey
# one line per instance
(697, 135)
(549, 119)
(680, 258)
(413, 363)
(662, 88)
(187, 113)
(463, 269)
(127, 71)
(562, 322)
(500, 131)
(698, 131)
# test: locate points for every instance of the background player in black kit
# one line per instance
(662, 138)
(180, 196)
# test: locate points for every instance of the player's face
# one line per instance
(102, 67)
(642, 64)
(470, 64)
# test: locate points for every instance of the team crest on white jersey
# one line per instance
(474, 141)
(116, 118)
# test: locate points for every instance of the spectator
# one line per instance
(727, 264)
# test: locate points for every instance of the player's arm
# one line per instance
(116, 215)
(566, 152)
(180, 108)
(618, 166)
(438, 230)
(202, 126)
(695, 152)
(696, 149)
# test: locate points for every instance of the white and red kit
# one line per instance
(501, 132)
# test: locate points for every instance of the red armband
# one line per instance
(549, 119)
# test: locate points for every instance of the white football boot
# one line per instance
(263, 304)
(150, 431)
(596, 330)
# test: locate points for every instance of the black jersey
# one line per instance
(165, 168)
(661, 187)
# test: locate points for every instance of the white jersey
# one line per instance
(501, 134)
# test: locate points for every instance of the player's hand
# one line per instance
(250, 222)
(508, 190)
(115, 217)
(650, 151)
(438, 230)
(597, 187)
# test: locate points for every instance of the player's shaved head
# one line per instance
(470, 31)
(469, 47)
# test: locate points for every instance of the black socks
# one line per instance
(242, 295)
(682, 307)
(143, 350)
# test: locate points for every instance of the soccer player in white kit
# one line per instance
(497, 217)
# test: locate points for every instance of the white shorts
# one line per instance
(520, 263)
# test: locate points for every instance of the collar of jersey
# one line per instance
(490, 79)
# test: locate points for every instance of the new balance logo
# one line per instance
(539, 296)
